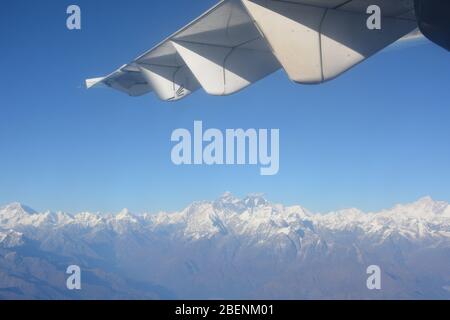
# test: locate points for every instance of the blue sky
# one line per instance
(377, 136)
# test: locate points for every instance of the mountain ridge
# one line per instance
(233, 248)
(248, 213)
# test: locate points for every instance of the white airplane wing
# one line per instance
(239, 42)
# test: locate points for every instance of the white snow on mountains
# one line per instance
(11, 239)
(252, 216)
(238, 248)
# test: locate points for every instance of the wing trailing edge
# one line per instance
(239, 42)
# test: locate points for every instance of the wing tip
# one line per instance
(94, 82)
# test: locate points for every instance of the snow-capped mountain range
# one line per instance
(229, 248)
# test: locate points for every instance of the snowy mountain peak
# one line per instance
(255, 200)
(231, 204)
(426, 203)
(18, 209)
(88, 220)
(227, 197)
(423, 207)
(124, 214)
(425, 200)
(125, 217)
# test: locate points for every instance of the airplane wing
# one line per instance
(239, 42)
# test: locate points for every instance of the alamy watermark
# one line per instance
(73, 21)
(374, 20)
(374, 279)
(74, 280)
(232, 147)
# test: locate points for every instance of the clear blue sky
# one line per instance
(378, 135)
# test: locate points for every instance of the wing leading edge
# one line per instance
(239, 42)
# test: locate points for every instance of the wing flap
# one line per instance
(225, 51)
(319, 43)
(130, 82)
